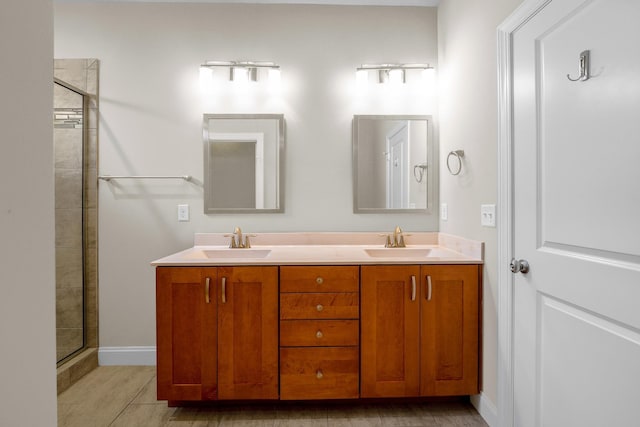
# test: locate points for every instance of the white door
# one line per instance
(397, 167)
(576, 164)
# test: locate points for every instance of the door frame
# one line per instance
(505, 214)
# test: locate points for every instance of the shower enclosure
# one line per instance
(69, 136)
(75, 165)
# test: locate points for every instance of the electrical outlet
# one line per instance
(488, 215)
(444, 212)
(183, 212)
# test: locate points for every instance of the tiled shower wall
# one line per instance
(76, 208)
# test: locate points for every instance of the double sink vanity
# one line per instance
(300, 316)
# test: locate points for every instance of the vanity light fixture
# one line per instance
(390, 73)
(244, 71)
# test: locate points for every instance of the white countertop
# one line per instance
(327, 249)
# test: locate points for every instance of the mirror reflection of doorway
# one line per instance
(237, 158)
(397, 167)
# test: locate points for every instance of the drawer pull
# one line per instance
(224, 290)
(319, 334)
(319, 374)
(319, 280)
(413, 288)
(319, 307)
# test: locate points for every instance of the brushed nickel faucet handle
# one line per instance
(387, 243)
(247, 242)
(232, 242)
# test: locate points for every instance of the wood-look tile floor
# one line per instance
(125, 396)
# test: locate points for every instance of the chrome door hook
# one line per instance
(583, 67)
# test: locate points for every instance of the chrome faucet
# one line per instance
(237, 242)
(395, 240)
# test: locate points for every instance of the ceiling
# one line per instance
(322, 2)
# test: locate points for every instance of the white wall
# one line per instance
(27, 257)
(468, 121)
(151, 118)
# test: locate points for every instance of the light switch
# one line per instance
(183, 212)
(444, 212)
(488, 215)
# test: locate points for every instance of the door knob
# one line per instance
(519, 266)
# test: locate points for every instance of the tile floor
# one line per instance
(124, 396)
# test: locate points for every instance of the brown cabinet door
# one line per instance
(186, 333)
(450, 326)
(390, 319)
(248, 332)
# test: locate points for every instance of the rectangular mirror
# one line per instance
(243, 156)
(392, 166)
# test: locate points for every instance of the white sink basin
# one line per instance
(237, 253)
(398, 252)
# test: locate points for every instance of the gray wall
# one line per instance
(151, 117)
(468, 121)
(27, 263)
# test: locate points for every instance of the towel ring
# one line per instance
(419, 171)
(458, 154)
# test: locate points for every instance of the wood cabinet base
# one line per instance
(318, 332)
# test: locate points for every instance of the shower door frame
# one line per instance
(85, 117)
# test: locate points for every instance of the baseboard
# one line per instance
(127, 356)
(486, 408)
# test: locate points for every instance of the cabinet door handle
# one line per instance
(224, 290)
(319, 374)
(413, 288)
(207, 284)
(428, 288)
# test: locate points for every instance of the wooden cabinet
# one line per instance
(390, 321)
(329, 332)
(450, 330)
(319, 332)
(420, 330)
(217, 333)
(186, 333)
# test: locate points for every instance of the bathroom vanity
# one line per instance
(301, 316)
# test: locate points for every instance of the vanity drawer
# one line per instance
(319, 279)
(319, 306)
(319, 333)
(319, 373)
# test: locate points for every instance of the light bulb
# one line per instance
(362, 77)
(428, 77)
(396, 76)
(240, 75)
(274, 76)
(206, 79)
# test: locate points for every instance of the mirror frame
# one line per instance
(430, 173)
(279, 162)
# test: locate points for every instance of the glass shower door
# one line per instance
(69, 135)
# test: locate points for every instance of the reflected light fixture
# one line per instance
(244, 71)
(390, 73)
